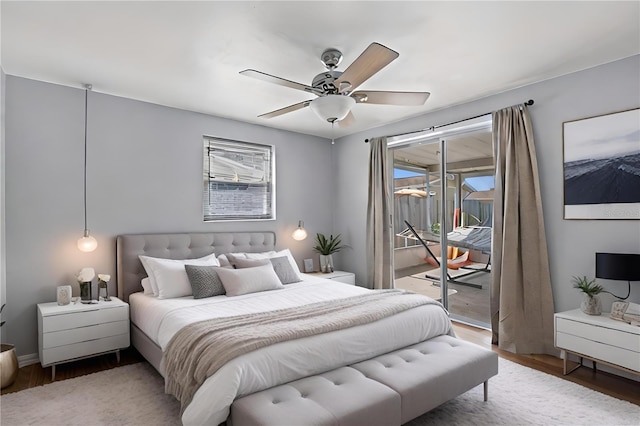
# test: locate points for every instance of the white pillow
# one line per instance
(168, 277)
(146, 285)
(224, 261)
(270, 254)
(249, 280)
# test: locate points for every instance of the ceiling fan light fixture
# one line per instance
(332, 107)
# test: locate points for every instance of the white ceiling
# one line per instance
(188, 54)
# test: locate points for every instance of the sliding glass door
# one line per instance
(442, 218)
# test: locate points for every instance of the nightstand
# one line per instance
(70, 332)
(598, 338)
(341, 276)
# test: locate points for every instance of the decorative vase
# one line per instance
(8, 365)
(326, 263)
(63, 294)
(591, 305)
(85, 292)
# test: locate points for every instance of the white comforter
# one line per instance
(286, 361)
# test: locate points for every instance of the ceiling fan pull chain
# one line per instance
(332, 141)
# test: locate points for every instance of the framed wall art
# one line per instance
(602, 166)
(238, 180)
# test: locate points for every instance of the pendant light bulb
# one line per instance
(300, 233)
(87, 243)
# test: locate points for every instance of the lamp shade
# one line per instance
(618, 266)
(300, 233)
(332, 107)
(87, 243)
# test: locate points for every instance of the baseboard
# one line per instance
(24, 360)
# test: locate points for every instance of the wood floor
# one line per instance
(610, 384)
(469, 303)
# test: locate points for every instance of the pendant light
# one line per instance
(86, 243)
(300, 233)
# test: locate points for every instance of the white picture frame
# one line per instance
(308, 265)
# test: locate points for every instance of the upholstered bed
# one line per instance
(157, 324)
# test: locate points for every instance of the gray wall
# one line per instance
(572, 243)
(144, 175)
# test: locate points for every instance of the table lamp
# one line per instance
(618, 266)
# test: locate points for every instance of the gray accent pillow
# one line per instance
(284, 271)
(281, 265)
(204, 281)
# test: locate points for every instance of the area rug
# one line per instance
(134, 395)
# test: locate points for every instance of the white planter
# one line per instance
(8, 365)
(591, 305)
(326, 263)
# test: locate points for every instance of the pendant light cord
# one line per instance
(86, 103)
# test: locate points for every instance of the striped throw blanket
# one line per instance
(198, 350)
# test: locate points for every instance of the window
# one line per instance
(239, 180)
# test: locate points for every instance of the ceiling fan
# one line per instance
(335, 89)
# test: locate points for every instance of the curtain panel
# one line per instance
(379, 231)
(521, 297)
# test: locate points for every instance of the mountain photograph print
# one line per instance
(602, 167)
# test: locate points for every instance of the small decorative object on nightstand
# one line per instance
(63, 294)
(308, 265)
(70, 332)
(591, 304)
(326, 247)
(103, 279)
(85, 278)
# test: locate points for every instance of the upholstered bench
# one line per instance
(387, 390)
(340, 397)
(430, 373)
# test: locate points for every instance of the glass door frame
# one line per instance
(431, 136)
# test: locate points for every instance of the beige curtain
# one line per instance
(521, 298)
(379, 235)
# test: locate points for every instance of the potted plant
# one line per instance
(326, 247)
(8, 361)
(591, 304)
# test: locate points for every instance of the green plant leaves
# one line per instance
(327, 246)
(587, 286)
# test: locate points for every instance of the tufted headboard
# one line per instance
(179, 246)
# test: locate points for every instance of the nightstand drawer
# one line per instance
(607, 336)
(339, 276)
(619, 356)
(75, 320)
(78, 350)
(82, 334)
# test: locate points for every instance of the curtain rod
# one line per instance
(528, 103)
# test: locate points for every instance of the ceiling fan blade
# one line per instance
(347, 121)
(390, 98)
(277, 80)
(373, 59)
(285, 110)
